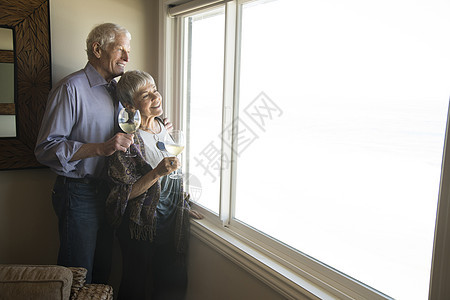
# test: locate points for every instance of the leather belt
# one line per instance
(85, 180)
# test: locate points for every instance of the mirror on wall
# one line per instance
(7, 106)
(30, 30)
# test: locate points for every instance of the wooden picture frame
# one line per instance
(30, 22)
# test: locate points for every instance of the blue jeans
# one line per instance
(86, 239)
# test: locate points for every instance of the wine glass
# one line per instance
(174, 143)
(129, 121)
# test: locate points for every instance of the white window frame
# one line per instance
(293, 274)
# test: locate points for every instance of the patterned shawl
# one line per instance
(124, 172)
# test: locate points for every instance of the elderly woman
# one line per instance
(147, 207)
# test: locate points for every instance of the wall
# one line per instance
(27, 223)
(211, 276)
(28, 232)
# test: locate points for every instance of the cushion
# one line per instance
(95, 292)
(79, 279)
(35, 282)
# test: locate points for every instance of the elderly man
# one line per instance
(77, 132)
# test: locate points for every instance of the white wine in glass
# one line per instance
(174, 149)
(174, 143)
(129, 122)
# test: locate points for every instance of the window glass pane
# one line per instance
(204, 89)
(342, 114)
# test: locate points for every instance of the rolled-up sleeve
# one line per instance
(54, 148)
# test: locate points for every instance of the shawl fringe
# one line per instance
(142, 233)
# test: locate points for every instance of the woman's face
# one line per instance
(149, 101)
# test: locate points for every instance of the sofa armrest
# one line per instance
(34, 282)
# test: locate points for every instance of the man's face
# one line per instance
(114, 58)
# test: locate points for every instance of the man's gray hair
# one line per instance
(130, 83)
(104, 34)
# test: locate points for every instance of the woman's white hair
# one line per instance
(104, 34)
(130, 83)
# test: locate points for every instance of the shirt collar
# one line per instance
(94, 78)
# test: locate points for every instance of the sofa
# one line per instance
(49, 282)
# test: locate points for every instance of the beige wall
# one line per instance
(28, 232)
(28, 226)
(213, 277)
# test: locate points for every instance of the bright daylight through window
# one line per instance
(338, 123)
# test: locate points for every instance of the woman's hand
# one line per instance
(195, 214)
(168, 125)
(167, 166)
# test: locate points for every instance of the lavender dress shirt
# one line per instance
(79, 110)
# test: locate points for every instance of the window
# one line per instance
(319, 126)
(204, 90)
